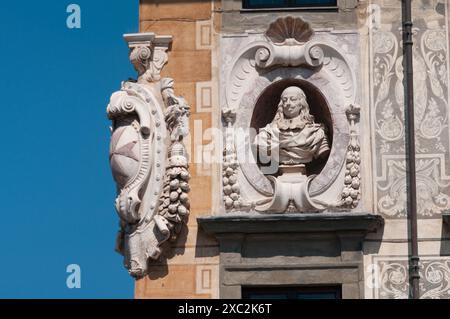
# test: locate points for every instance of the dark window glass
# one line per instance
(258, 4)
(316, 292)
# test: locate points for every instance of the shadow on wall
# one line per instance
(159, 268)
(205, 246)
(445, 236)
(375, 239)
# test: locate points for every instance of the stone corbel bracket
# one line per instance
(148, 54)
(147, 155)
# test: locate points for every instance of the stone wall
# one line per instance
(201, 28)
(387, 251)
(191, 270)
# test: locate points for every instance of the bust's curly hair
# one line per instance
(304, 115)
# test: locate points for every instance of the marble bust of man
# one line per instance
(292, 134)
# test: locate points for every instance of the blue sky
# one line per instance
(56, 190)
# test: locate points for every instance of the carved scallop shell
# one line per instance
(289, 27)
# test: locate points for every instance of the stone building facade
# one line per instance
(203, 217)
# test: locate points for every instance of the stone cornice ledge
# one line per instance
(291, 223)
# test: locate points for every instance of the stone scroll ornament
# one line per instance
(148, 159)
(294, 138)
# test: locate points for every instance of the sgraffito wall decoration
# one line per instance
(430, 64)
(388, 271)
(390, 276)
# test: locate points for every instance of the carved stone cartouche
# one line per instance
(147, 155)
(290, 52)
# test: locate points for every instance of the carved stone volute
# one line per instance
(288, 45)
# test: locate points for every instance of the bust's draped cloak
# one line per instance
(291, 143)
